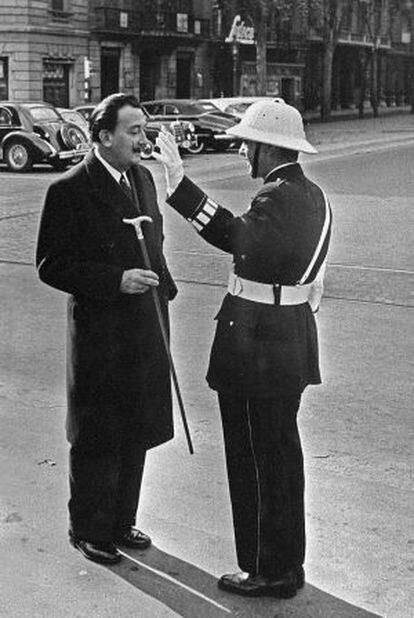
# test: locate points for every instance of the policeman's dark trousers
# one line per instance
(104, 488)
(266, 481)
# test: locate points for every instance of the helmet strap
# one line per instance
(255, 164)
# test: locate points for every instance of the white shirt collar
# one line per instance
(116, 174)
(279, 166)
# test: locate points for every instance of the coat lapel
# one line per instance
(144, 189)
(105, 189)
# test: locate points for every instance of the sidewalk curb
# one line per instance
(356, 147)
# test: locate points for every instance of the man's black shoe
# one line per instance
(284, 587)
(133, 538)
(104, 553)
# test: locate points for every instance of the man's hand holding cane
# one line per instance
(138, 281)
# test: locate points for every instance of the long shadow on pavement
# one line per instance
(190, 591)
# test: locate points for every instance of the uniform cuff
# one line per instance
(187, 198)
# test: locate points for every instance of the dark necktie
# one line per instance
(126, 188)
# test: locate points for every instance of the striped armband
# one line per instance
(204, 214)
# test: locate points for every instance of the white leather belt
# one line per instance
(265, 292)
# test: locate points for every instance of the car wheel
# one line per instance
(197, 149)
(18, 157)
(73, 136)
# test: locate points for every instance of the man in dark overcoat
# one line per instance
(265, 350)
(118, 380)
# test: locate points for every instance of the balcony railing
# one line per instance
(157, 23)
(286, 39)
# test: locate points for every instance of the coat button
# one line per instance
(231, 323)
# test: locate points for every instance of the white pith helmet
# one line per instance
(273, 122)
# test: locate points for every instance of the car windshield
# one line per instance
(190, 109)
(238, 107)
(72, 116)
(208, 106)
(43, 113)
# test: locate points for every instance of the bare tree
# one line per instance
(372, 16)
(329, 14)
(260, 12)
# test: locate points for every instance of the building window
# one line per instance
(4, 79)
(182, 22)
(59, 9)
(56, 83)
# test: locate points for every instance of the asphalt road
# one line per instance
(356, 428)
(371, 193)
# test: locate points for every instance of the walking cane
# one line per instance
(137, 223)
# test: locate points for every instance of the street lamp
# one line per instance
(235, 45)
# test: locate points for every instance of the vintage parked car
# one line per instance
(235, 105)
(71, 115)
(209, 122)
(184, 132)
(36, 133)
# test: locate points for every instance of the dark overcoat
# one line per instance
(262, 350)
(117, 370)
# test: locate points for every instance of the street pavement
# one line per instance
(356, 434)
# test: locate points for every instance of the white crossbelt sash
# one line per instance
(319, 246)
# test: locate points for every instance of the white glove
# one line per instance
(170, 158)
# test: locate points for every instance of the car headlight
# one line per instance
(191, 127)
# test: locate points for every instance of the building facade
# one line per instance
(152, 48)
(43, 47)
(68, 52)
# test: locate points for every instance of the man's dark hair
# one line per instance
(105, 114)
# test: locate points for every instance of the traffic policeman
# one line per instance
(265, 350)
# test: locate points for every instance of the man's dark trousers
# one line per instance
(105, 488)
(266, 480)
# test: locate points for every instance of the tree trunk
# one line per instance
(363, 90)
(261, 53)
(411, 73)
(327, 62)
(374, 81)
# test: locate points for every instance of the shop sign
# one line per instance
(241, 32)
(123, 19)
(182, 22)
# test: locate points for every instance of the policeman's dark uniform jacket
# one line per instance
(119, 398)
(263, 356)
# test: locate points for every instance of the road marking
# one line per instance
(398, 271)
(176, 581)
(20, 214)
(384, 269)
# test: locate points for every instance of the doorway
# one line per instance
(56, 83)
(184, 66)
(148, 75)
(288, 89)
(109, 70)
